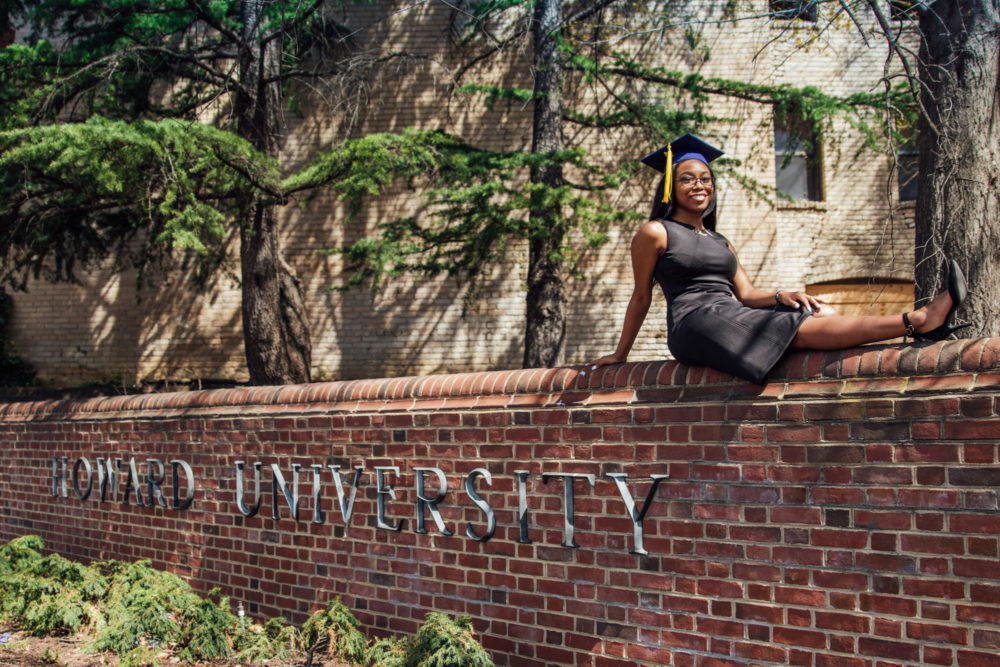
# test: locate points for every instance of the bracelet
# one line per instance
(777, 301)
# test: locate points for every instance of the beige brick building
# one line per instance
(847, 231)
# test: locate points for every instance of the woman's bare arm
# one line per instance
(752, 297)
(647, 246)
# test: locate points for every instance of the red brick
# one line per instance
(759, 651)
(976, 524)
(800, 637)
(934, 544)
(971, 567)
(883, 604)
(888, 649)
(799, 596)
(978, 659)
(823, 660)
(934, 655)
(796, 515)
(853, 623)
(798, 434)
(937, 633)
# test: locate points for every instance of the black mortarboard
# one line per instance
(683, 148)
(686, 147)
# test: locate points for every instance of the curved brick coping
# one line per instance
(971, 364)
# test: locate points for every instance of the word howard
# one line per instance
(147, 491)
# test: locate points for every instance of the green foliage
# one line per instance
(47, 594)
(336, 630)
(20, 553)
(20, 66)
(49, 657)
(143, 655)
(445, 642)
(141, 613)
(155, 178)
(77, 192)
(142, 605)
(494, 94)
(207, 629)
(479, 203)
(259, 643)
(387, 652)
(808, 103)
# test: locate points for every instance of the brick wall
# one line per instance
(844, 514)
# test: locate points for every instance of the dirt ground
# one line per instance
(17, 649)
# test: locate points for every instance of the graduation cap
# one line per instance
(687, 147)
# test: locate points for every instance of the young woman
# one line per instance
(715, 316)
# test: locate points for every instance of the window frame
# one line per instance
(908, 168)
(807, 151)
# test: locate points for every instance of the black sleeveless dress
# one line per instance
(706, 325)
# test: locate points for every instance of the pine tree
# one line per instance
(136, 130)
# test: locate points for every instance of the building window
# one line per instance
(797, 162)
(907, 162)
(790, 10)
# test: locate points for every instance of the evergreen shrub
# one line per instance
(142, 614)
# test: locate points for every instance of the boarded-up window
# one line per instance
(854, 298)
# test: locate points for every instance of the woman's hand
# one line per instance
(604, 361)
(800, 300)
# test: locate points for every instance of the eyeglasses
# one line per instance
(689, 181)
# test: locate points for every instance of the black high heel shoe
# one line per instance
(958, 291)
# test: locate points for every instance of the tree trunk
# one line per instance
(958, 188)
(545, 328)
(275, 327)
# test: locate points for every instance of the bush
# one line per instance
(387, 653)
(273, 640)
(336, 630)
(207, 628)
(138, 613)
(443, 642)
(143, 606)
(47, 594)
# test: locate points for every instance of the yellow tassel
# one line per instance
(668, 176)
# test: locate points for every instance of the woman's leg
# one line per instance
(836, 332)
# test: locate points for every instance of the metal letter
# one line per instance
(153, 482)
(431, 502)
(318, 515)
(133, 484)
(76, 478)
(106, 476)
(174, 465)
(58, 477)
(278, 483)
(383, 490)
(522, 505)
(637, 517)
(477, 500)
(348, 510)
(239, 489)
(569, 529)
